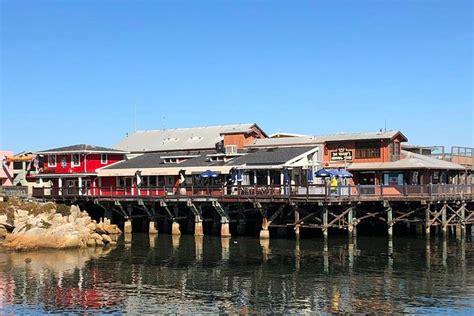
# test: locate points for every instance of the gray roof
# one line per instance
(409, 161)
(269, 156)
(81, 148)
(306, 140)
(179, 138)
(253, 157)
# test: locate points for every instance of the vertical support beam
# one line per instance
(198, 230)
(79, 184)
(152, 230)
(225, 231)
(390, 222)
(175, 229)
(463, 220)
(350, 223)
(427, 222)
(444, 223)
(297, 218)
(127, 228)
(325, 221)
(60, 186)
(264, 232)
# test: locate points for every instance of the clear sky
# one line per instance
(74, 71)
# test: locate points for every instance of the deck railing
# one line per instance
(269, 191)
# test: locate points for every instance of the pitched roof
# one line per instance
(410, 160)
(80, 148)
(180, 138)
(307, 140)
(269, 156)
(200, 160)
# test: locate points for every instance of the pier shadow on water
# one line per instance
(187, 274)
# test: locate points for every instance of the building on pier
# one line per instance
(170, 162)
(73, 169)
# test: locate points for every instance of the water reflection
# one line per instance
(187, 274)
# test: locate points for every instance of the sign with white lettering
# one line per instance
(341, 154)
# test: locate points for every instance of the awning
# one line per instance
(163, 171)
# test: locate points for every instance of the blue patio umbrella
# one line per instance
(323, 173)
(310, 174)
(209, 174)
(343, 173)
(286, 176)
(239, 175)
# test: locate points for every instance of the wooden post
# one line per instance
(198, 230)
(127, 229)
(175, 230)
(462, 219)
(444, 223)
(325, 221)
(390, 222)
(350, 224)
(225, 232)
(297, 226)
(427, 222)
(152, 228)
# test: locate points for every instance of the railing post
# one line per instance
(430, 189)
(405, 189)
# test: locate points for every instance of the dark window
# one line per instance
(367, 150)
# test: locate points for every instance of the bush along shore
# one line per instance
(30, 225)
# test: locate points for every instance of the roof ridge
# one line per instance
(196, 127)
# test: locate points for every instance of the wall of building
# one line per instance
(88, 163)
(6, 170)
(243, 139)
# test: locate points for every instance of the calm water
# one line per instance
(243, 275)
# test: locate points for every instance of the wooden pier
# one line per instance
(421, 209)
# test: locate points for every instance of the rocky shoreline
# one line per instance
(29, 225)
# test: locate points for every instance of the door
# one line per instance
(367, 182)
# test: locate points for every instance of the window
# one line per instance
(367, 150)
(75, 160)
(52, 161)
(103, 159)
(393, 178)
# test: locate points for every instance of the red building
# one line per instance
(73, 169)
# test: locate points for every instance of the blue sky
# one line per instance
(74, 71)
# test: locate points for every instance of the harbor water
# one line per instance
(187, 274)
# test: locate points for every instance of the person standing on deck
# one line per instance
(334, 185)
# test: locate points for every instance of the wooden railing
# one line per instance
(270, 191)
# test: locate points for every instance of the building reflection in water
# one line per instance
(190, 274)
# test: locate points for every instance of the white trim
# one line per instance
(72, 160)
(55, 160)
(104, 162)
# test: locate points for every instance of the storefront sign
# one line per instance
(341, 154)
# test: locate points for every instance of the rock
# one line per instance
(106, 238)
(3, 232)
(91, 242)
(100, 228)
(96, 236)
(111, 229)
(99, 242)
(91, 226)
(3, 219)
(21, 213)
(27, 260)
